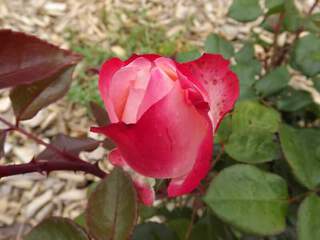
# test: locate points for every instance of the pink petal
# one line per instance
(159, 86)
(220, 84)
(145, 192)
(116, 159)
(127, 89)
(187, 183)
(141, 71)
(107, 71)
(165, 142)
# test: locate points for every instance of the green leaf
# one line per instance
(292, 18)
(312, 23)
(209, 227)
(252, 137)
(216, 44)
(112, 208)
(28, 99)
(153, 231)
(273, 82)
(306, 55)
(250, 199)
(180, 227)
(316, 83)
(224, 130)
(252, 147)
(188, 56)
(246, 74)
(57, 228)
(301, 148)
(245, 10)
(81, 220)
(308, 218)
(291, 100)
(146, 212)
(245, 54)
(273, 3)
(255, 116)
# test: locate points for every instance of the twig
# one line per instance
(75, 163)
(299, 31)
(45, 166)
(275, 46)
(193, 217)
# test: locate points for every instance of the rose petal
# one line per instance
(145, 192)
(107, 71)
(165, 142)
(159, 86)
(116, 159)
(187, 183)
(221, 85)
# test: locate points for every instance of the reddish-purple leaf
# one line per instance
(28, 99)
(3, 135)
(25, 59)
(102, 119)
(69, 146)
(100, 114)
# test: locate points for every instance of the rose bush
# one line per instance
(163, 116)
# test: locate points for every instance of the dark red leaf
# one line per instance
(3, 135)
(100, 114)
(102, 119)
(25, 59)
(28, 99)
(68, 145)
(108, 144)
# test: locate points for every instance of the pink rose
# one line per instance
(164, 115)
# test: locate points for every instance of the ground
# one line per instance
(98, 29)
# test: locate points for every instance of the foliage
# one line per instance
(264, 182)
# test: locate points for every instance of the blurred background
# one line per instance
(97, 29)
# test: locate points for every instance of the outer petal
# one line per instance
(165, 142)
(187, 183)
(107, 71)
(220, 86)
(116, 158)
(145, 192)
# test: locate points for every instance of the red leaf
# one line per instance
(28, 99)
(25, 59)
(68, 146)
(100, 114)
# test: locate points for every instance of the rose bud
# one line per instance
(164, 115)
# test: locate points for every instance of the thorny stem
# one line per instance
(45, 166)
(75, 163)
